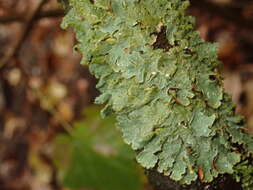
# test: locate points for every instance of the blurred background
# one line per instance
(51, 136)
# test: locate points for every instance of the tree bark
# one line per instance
(161, 182)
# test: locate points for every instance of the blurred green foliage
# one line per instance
(94, 156)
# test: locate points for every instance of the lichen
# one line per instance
(168, 97)
(244, 174)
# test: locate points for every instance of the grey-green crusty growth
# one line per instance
(160, 79)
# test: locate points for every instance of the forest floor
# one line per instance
(43, 87)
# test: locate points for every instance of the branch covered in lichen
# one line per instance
(160, 79)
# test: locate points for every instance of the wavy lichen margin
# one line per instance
(160, 79)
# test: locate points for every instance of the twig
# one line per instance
(12, 18)
(27, 25)
(39, 15)
(50, 13)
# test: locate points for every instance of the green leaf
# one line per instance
(96, 156)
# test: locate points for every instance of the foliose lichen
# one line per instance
(168, 96)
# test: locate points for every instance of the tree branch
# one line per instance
(161, 182)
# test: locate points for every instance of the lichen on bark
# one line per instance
(160, 79)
